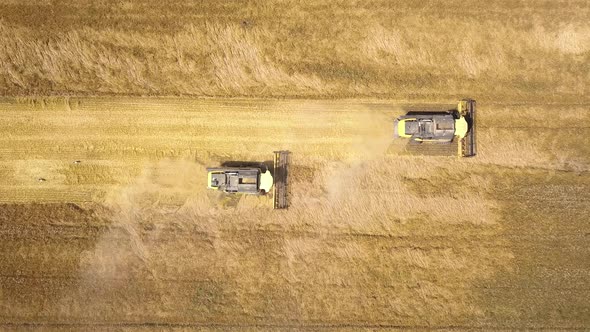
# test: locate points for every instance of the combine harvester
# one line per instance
(255, 179)
(441, 127)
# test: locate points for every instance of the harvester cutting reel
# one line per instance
(467, 146)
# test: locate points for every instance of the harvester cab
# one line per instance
(255, 179)
(441, 127)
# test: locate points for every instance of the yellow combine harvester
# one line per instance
(254, 178)
(436, 127)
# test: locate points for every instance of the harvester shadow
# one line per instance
(432, 111)
(267, 165)
(425, 108)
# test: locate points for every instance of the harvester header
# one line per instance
(282, 160)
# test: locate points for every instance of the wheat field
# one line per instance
(111, 110)
(123, 234)
(499, 51)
